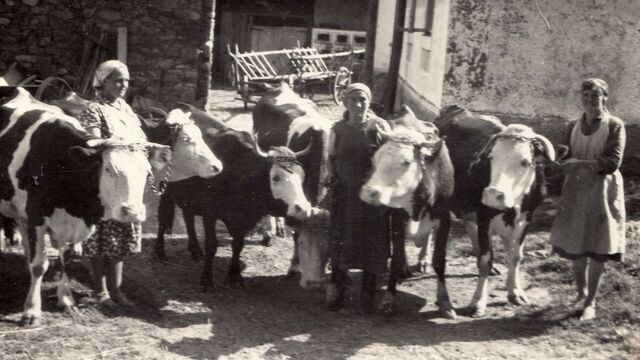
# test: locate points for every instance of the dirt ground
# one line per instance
(273, 318)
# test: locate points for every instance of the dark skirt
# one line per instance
(359, 233)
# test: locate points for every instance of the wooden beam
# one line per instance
(122, 44)
(205, 52)
(389, 98)
(369, 56)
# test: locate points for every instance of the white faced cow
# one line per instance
(56, 179)
(413, 172)
(507, 176)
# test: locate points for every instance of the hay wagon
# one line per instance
(303, 68)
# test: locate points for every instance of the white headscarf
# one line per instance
(105, 69)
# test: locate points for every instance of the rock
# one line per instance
(26, 58)
(30, 2)
(109, 15)
(187, 15)
(4, 21)
(165, 64)
(65, 14)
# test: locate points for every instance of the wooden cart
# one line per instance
(300, 67)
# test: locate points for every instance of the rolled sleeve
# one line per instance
(611, 158)
(90, 118)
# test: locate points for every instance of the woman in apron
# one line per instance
(590, 225)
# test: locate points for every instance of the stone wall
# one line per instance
(163, 40)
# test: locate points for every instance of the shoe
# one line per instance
(104, 301)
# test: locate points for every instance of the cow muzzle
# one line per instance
(300, 210)
(496, 198)
(210, 171)
(133, 213)
(374, 196)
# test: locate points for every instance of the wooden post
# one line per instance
(205, 52)
(369, 54)
(122, 44)
(389, 98)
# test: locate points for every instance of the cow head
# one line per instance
(514, 155)
(286, 177)
(401, 163)
(123, 173)
(190, 154)
(313, 249)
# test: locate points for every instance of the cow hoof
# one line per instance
(266, 241)
(448, 313)
(30, 320)
(478, 312)
(517, 299)
(494, 271)
(234, 282)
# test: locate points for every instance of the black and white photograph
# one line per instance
(319, 179)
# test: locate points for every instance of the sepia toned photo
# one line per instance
(319, 179)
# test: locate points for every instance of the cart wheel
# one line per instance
(52, 88)
(340, 83)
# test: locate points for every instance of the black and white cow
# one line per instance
(252, 184)
(58, 180)
(413, 172)
(283, 118)
(500, 182)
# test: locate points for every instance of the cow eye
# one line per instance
(406, 162)
(185, 139)
(275, 178)
(526, 163)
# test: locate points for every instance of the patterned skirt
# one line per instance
(114, 239)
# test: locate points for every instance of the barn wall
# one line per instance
(504, 58)
(341, 14)
(162, 48)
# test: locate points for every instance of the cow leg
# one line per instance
(294, 266)
(388, 304)
(269, 230)
(478, 304)
(439, 262)
(210, 249)
(64, 294)
(471, 229)
(424, 256)
(166, 213)
(194, 245)
(514, 245)
(234, 276)
(35, 253)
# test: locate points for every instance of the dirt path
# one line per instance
(273, 318)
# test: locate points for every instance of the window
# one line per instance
(420, 17)
(324, 37)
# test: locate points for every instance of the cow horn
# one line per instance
(304, 151)
(550, 152)
(256, 148)
(487, 147)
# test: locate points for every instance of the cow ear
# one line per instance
(82, 156)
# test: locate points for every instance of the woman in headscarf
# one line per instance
(590, 225)
(359, 231)
(110, 117)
